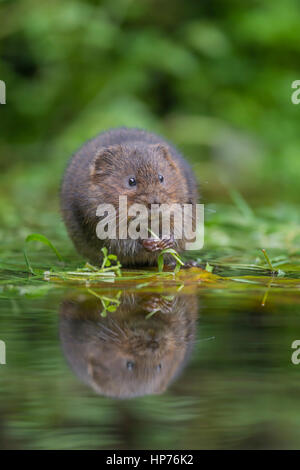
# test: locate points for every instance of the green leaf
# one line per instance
(177, 268)
(27, 263)
(209, 268)
(160, 262)
(104, 251)
(37, 237)
(112, 308)
(171, 251)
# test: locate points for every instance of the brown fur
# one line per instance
(98, 349)
(99, 172)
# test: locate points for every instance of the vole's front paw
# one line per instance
(155, 244)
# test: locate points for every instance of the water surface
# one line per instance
(203, 367)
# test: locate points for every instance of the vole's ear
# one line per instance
(164, 151)
(103, 161)
(96, 375)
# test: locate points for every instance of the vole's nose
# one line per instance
(151, 342)
(150, 333)
(153, 200)
(153, 345)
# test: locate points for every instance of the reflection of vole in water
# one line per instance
(126, 354)
(124, 162)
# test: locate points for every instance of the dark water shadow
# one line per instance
(138, 349)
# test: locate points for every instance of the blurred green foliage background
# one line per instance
(213, 76)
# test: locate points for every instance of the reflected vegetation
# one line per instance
(138, 349)
(214, 371)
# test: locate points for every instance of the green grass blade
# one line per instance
(37, 237)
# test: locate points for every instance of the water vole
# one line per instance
(126, 353)
(127, 162)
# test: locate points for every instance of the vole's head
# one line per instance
(126, 353)
(146, 174)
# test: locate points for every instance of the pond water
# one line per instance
(204, 365)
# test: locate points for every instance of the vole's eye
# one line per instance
(129, 365)
(132, 181)
(161, 178)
